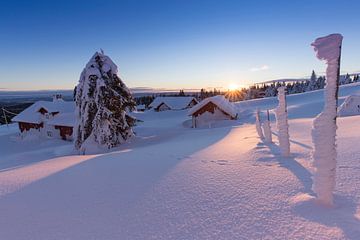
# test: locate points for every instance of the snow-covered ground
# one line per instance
(174, 182)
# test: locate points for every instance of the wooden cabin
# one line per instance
(172, 103)
(44, 117)
(212, 109)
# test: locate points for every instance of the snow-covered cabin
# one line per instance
(350, 107)
(48, 116)
(141, 108)
(172, 103)
(212, 109)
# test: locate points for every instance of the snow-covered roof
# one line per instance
(220, 101)
(63, 119)
(350, 107)
(175, 103)
(140, 106)
(32, 115)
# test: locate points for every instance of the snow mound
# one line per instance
(350, 107)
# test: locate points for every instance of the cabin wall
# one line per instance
(24, 126)
(65, 132)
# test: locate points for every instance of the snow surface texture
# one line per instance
(324, 126)
(258, 125)
(171, 182)
(267, 129)
(282, 123)
(350, 107)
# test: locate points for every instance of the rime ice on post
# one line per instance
(267, 129)
(258, 125)
(324, 126)
(282, 123)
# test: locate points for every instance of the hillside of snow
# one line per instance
(175, 182)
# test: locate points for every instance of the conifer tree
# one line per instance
(312, 83)
(102, 102)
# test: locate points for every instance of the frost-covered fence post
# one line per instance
(267, 128)
(324, 126)
(282, 123)
(258, 125)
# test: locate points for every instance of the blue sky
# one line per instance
(171, 44)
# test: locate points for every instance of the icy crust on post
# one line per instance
(328, 48)
(258, 125)
(324, 126)
(267, 129)
(282, 123)
(102, 100)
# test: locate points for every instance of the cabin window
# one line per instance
(49, 133)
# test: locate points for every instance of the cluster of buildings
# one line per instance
(53, 119)
(56, 119)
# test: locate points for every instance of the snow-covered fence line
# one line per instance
(5, 117)
(282, 123)
(324, 126)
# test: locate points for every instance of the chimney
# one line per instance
(57, 97)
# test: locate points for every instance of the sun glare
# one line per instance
(233, 87)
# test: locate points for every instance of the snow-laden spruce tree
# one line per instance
(312, 82)
(267, 129)
(324, 126)
(102, 102)
(258, 125)
(282, 123)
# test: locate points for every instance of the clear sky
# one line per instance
(171, 44)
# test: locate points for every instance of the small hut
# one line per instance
(212, 109)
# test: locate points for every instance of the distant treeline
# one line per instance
(252, 92)
(257, 90)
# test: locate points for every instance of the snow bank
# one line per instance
(324, 126)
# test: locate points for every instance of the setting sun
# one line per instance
(233, 87)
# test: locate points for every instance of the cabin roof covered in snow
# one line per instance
(175, 103)
(63, 119)
(220, 101)
(141, 106)
(32, 114)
